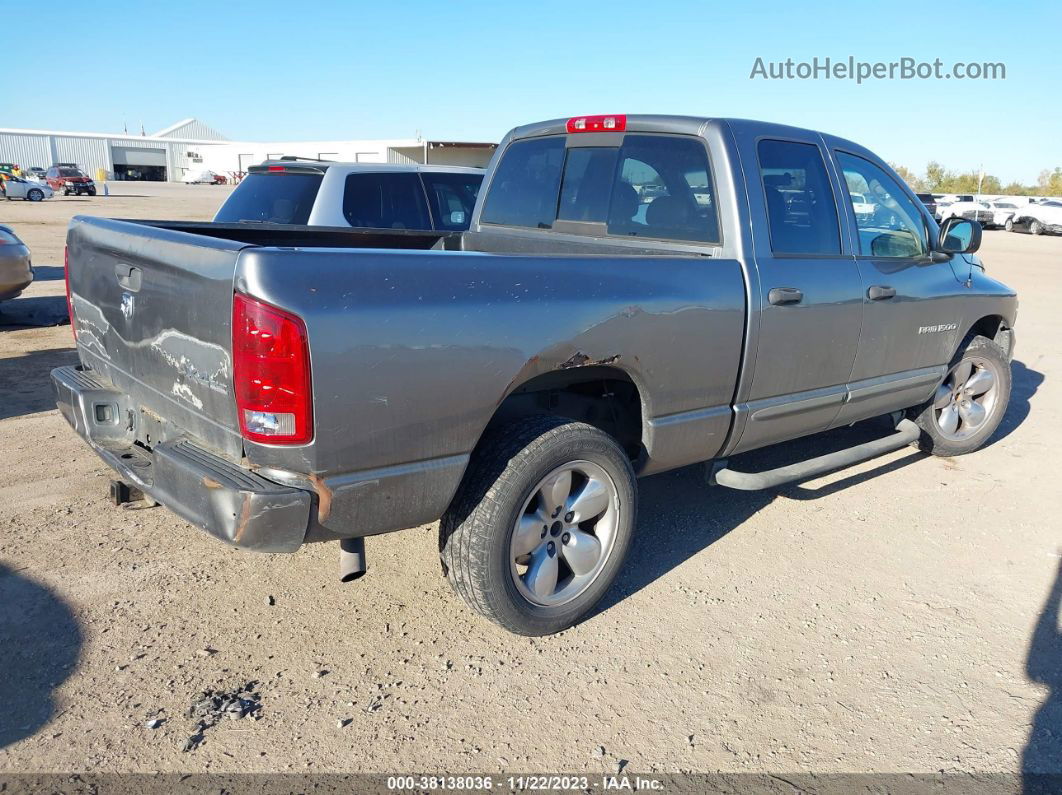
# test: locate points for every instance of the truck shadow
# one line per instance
(1024, 383)
(1041, 761)
(40, 642)
(25, 381)
(679, 514)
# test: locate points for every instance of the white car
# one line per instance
(197, 176)
(1003, 211)
(30, 190)
(971, 209)
(1039, 218)
(863, 209)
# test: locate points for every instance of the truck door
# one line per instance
(808, 291)
(905, 294)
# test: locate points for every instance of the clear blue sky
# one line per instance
(322, 69)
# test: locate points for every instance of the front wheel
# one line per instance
(1009, 225)
(969, 405)
(35, 195)
(1036, 228)
(540, 525)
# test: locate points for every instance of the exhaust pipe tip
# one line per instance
(351, 559)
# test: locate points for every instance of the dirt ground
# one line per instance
(902, 616)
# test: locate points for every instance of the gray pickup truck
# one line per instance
(634, 294)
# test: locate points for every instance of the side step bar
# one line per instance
(906, 433)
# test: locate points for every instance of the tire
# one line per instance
(1009, 225)
(1036, 228)
(35, 195)
(504, 491)
(92, 192)
(970, 403)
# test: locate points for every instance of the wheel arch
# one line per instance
(995, 328)
(606, 396)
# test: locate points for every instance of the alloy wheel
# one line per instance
(564, 534)
(966, 399)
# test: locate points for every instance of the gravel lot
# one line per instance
(880, 620)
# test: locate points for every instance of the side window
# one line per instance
(524, 189)
(663, 189)
(800, 208)
(385, 201)
(452, 197)
(889, 223)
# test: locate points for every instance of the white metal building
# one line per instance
(192, 145)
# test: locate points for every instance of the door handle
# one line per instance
(128, 276)
(879, 292)
(785, 295)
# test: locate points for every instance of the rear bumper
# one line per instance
(15, 275)
(230, 502)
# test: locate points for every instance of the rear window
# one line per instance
(650, 186)
(524, 189)
(272, 198)
(385, 201)
(452, 197)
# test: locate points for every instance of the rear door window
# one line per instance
(523, 191)
(452, 197)
(801, 211)
(385, 201)
(271, 198)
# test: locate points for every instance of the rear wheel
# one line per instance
(541, 524)
(1036, 228)
(1009, 225)
(970, 403)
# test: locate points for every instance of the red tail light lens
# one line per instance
(613, 123)
(69, 300)
(271, 373)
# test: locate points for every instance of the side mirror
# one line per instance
(959, 236)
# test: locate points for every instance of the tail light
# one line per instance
(271, 373)
(613, 123)
(69, 299)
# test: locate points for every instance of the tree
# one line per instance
(915, 182)
(1050, 182)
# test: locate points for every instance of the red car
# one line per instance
(70, 179)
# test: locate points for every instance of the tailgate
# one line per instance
(153, 314)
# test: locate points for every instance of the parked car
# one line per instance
(16, 270)
(280, 385)
(863, 209)
(1038, 218)
(1003, 212)
(199, 177)
(972, 210)
(371, 196)
(930, 203)
(68, 179)
(30, 190)
(36, 172)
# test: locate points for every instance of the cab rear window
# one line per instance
(657, 187)
(272, 199)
